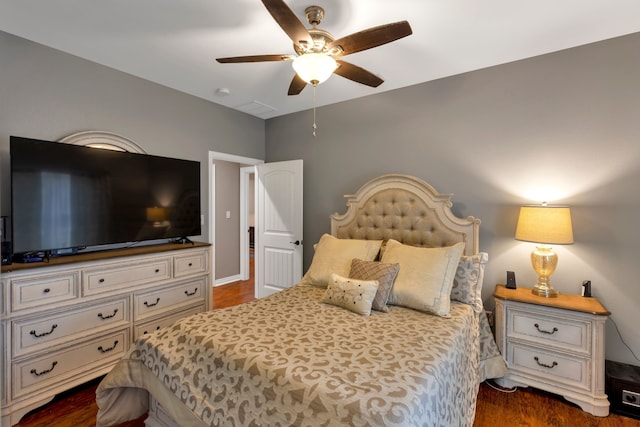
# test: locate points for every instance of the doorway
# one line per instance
(243, 254)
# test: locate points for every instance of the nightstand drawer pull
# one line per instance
(190, 294)
(46, 371)
(546, 332)
(151, 304)
(44, 334)
(108, 316)
(544, 365)
(107, 350)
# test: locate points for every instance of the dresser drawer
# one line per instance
(550, 329)
(150, 303)
(190, 264)
(34, 375)
(47, 289)
(121, 275)
(33, 335)
(154, 325)
(548, 366)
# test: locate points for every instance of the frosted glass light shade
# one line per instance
(314, 68)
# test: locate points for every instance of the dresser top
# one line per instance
(565, 301)
(107, 254)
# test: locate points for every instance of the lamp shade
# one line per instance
(314, 68)
(545, 224)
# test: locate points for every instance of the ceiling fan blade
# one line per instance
(372, 37)
(296, 86)
(254, 58)
(289, 22)
(357, 74)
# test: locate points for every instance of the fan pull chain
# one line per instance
(315, 126)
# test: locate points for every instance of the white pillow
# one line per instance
(333, 255)
(426, 276)
(352, 294)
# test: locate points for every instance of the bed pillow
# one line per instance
(426, 276)
(384, 273)
(467, 284)
(333, 255)
(354, 295)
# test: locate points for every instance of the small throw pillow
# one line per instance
(333, 255)
(385, 274)
(425, 278)
(467, 285)
(354, 295)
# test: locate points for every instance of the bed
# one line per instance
(386, 328)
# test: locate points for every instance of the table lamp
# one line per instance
(544, 225)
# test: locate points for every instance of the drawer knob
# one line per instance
(46, 371)
(151, 304)
(190, 264)
(157, 270)
(44, 334)
(544, 365)
(46, 290)
(553, 331)
(108, 316)
(101, 281)
(107, 350)
(190, 294)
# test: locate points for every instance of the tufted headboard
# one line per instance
(407, 209)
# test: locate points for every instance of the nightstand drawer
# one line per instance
(565, 370)
(549, 329)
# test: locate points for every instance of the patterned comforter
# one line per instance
(289, 359)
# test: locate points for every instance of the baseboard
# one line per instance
(227, 280)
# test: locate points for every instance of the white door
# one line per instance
(278, 235)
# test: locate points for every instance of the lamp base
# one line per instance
(544, 291)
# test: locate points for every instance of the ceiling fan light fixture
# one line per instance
(314, 68)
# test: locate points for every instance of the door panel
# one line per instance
(278, 226)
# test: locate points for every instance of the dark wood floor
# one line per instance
(524, 407)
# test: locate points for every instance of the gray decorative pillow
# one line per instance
(385, 274)
(467, 284)
(354, 295)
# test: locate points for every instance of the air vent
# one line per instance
(256, 108)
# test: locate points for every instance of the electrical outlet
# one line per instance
(631, 398)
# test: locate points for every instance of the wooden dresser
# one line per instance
(70, 320)
(554, 344)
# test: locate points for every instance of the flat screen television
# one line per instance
(68, 197)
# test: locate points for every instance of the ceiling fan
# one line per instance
(318, 51)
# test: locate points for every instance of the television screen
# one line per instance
(65, 196)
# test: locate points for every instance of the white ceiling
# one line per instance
(175, 42)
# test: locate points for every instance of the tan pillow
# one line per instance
(425, 278)
(385, 274)
(354, 295)
(333, 255)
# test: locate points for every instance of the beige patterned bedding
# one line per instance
(289, 359)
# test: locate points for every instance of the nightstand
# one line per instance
(554, 344)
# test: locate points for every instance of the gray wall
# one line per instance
(227, 191)
(48, 94)
(563, 127)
